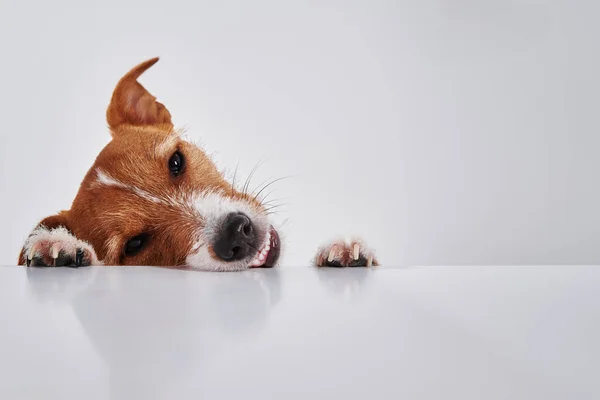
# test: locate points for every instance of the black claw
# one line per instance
(28, 261)
(78, 257)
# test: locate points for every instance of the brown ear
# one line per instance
(132, 104)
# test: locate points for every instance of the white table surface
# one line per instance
(298, 333)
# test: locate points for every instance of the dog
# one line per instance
(152, 198)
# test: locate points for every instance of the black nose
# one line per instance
(234, 238)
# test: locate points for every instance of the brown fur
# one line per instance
(139, 124)
(129, 191)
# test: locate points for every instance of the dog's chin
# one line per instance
(266, 256)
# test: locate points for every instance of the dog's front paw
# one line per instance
(57, 248)
(345, 253)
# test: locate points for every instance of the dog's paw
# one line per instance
(345, 253)
(57, 248)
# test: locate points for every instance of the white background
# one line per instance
(443, 132)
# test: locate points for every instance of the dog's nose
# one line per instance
(235, 237)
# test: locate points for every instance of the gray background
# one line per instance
(443, 132)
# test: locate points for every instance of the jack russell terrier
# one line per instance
(152, 198)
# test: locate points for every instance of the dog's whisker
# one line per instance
(274, 207)
(278, 208)
(234, 175)
(267, 195)
(270, 183)
(249, 178)
(270, 202)
(259, 186)
(279, 200)
(253, 247)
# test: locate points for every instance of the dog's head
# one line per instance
(152, 198)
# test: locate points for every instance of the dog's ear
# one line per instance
(132, 104)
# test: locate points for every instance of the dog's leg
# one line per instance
(52, 245)
(345, 253)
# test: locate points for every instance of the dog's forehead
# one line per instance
(134, 147)
(144, 158)
(138, 164)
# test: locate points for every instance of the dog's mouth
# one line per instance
(268, 254)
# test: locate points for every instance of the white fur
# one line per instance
(209, 207)
(167, 145)
(212, 207)
(112, 246)
(43, 239)
(104, 179)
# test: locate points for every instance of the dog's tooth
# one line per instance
(331, 255)
(356, 249)
(370, 261)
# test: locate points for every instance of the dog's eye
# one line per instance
(135, 244)
(176, 163)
